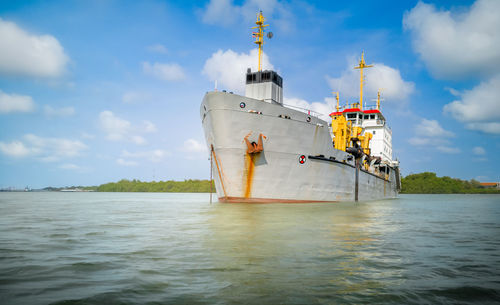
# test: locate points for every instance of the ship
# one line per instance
(262, 150)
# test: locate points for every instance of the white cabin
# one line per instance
(373, 121)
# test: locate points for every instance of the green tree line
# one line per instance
(423, 183)
(186, 186)
(429, 183)
(56, 189)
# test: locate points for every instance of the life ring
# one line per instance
(302, 159)
(242, 105)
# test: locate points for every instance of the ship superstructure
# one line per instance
(263, 151)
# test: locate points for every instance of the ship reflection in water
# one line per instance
(286, 252)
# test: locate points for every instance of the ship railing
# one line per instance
(305, 110)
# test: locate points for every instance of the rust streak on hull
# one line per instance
(219, 170)
(248, 173)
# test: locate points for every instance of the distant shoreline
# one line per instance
(429, 183)
(124, 185)
(422, 183)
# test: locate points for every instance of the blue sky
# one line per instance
(97, 91)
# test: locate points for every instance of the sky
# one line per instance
(97, 91)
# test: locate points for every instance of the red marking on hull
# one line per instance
(265, 200)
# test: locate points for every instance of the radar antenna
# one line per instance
(378, 98)
(259, 36)
(337, 93)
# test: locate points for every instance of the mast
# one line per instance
(337, 93)
(378, 99)
(259, 36)
(361, 66)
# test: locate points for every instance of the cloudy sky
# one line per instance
(97, 91)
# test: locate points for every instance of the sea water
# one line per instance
(163, 248)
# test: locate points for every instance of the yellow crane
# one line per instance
(343, 131)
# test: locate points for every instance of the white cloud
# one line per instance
(480, 159)
(14, 102)
(220, 12)
(193, 146)
(321, 110)
(46, 149)
(478, 150)
(455, 45)
(479, 107)
(225, 13)
(448, 149)
(87, 136)
(458, 45)
(452, 91)
(157, 48)
(416, 141)
(431, 129)
(14, 149)
(62, 112)
(53, 149)
(430, 135)
(139, 140)
(193, 149)
(22, 53)
(69, 166)
(156, 155)
(118, 129)
(132, 97)
(149, 127)
(164, 71)
(492, 127)
(229, 68)
(380, 76)
(124, 162)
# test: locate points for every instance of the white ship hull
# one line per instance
(275, 174)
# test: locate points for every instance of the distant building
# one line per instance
(490, 185)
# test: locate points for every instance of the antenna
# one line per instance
(259, 36)
(378, 98)
(337, 93)
(361, 66)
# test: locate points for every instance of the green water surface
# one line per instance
(164, 248)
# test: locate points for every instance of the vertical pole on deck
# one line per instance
(356, 185)
(211, 166)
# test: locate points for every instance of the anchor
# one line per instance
(252, 147)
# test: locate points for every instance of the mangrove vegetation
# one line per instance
(429, 183)
(423, 183)
(186, 186)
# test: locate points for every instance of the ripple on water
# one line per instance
(177, 249)
(460, 295)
